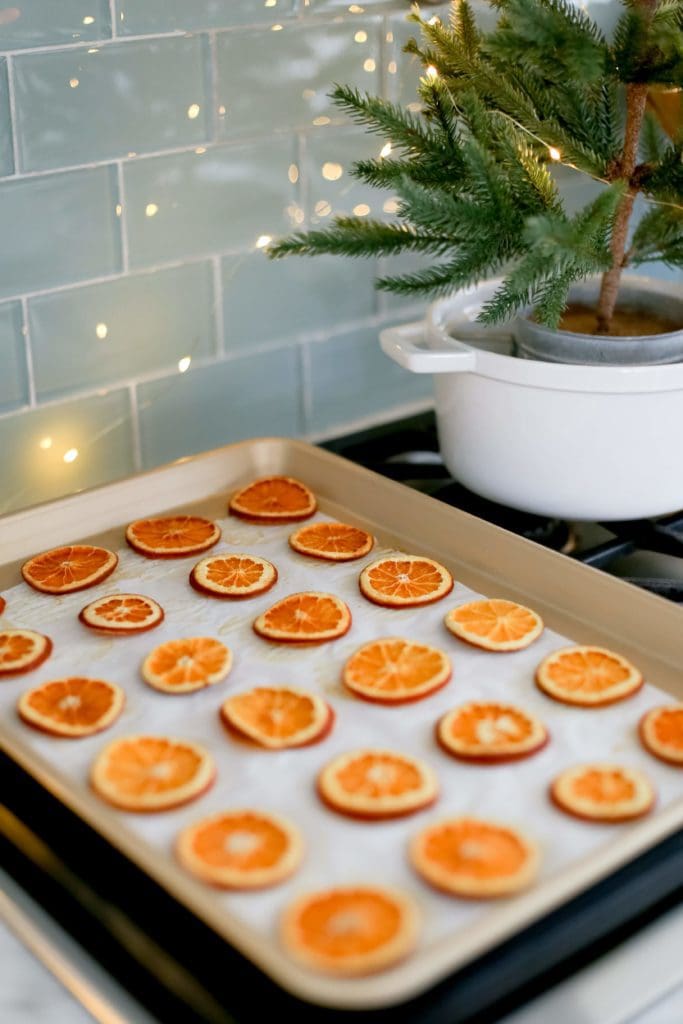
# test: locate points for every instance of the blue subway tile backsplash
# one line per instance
(149, 152)
(83, 105)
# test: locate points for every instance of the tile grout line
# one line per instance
(218, 305)
(112, 17)
(123, 219)
(11, 96)
(213, 85)
(135, 427)
(28, 355)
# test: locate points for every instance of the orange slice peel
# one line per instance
(233, 576)
(188, 664)
(332, 542)
(661, 733)
(172, 536)
(350, 930)
(588, 676)
(278, 717)
(306, 618)
(273, 499)
(405, 581)
(494, 624)
(70, 568)
(241, 849)
(392, 670)
(474, 859)
(151, 773)
(119, 614)
(601, 792)
(375, 785)
(22, 650)
(72, 707)
(489, 732)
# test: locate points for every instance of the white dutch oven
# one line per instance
(578, 442)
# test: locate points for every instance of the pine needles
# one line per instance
(473, 170)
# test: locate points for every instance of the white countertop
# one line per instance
(639, 982)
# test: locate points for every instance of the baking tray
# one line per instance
(574, 600)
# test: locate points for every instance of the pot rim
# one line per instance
(555, 376)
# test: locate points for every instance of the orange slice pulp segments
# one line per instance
(182, 666)
(22, 650)
(587, 676)
(308, 617)
(661, 732)
(402, 581)
(396, 671)
(333, 542)
(64, 570)
(278, 717)
(350, 930)
(274, 499)
(233, 575)
(72, 707)
(490, 732)
(603, 792)
(122, 613)
(172, 536)
(241, 849)
(474, 858)
(495, 624)
(377, 784)
(151, 773)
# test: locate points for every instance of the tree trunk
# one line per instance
(636, 98)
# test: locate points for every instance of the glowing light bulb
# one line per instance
(71, 455)
(276, 28)
(293, 173)
(101, 331)
(361, 210)
(151, 210)
(193, 111)
(200, 149)
(270, 3)
(369, 65)
(356, 9)
(431, 72)
(554, 153)
(385, 150)
(88, 20)
(332, 171)
(323, 208)
(118, 209)
(390, 205)
(319, 121)
(390, 37)
(74, 83)
(263, 240)
(361, 37)
(184, 364)
(45, 443)
(392, 67)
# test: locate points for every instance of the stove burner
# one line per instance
(408, 451)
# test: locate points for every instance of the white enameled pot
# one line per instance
(578, 442)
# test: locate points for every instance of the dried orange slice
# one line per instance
(333, 542)
(588, 676)
(495, 625)
(182, 666)
(151, 773)
(350, 930)
(396, 671)
(243, 849)
(307, 618)
(603, 792)
(172, 536)
(402, 581)
(274, 499)
(231, 575)
(473, 858)
(22, 650)
(122, 613)
(3, 605)
(661, 732)
(489, 732)
(63, 570)
(377, 784)
(278, 717)
(72, 707)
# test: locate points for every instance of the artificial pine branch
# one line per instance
(472, 171)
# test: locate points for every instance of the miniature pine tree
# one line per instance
(473, 170)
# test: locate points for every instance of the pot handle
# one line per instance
(402, 344)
